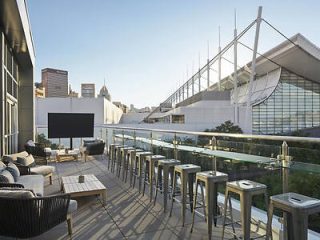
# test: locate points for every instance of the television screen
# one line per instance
(70, 125)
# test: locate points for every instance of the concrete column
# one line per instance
(2, 95)
(26, 116)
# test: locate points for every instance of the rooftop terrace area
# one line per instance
(127, 215)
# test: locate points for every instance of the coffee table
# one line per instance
(67, 156)
(90, 186)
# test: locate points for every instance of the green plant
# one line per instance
(228, 127)
(41, 138)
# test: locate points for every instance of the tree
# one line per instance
(228, 127)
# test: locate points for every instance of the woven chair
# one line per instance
(38, 151)
(30, 217)
(93, 148)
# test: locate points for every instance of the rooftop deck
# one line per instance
(127, 215)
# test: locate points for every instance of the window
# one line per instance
(177, 118)
(293, 105)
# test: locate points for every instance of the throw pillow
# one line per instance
(6, 159)
(5, 176)
(26, 161)
(14, 170)
(2, 166)
(16, 193)
(30, 143)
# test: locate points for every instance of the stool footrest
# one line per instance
(230, 223)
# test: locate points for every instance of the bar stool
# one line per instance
(111, 154)
(246, 189)
(166, 166)
(131, 157)
(117, 157)
(149, 165)
(187, 173)
(138, 163)
(298, 207)
(122, 160)
(210, 179)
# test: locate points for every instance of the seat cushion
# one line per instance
(33, 182)
(13, 169)
(73, 205)
(6, 176)
(42, 170)
(16, 193)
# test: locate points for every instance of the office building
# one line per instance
(39, 92)
(55, 82)
(17, 60)
(88, 90)
(104, 93)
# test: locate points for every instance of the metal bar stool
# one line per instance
(117, 158)
(132, 157)
(111, 154)
(246, 189)
(187, 174)
(298, 207)
(162, 180)
(210, 179)
(123, 159)
(138, 164)
(149, 166)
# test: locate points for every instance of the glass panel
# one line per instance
(289, 108)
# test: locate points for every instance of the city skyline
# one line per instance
(150, 44)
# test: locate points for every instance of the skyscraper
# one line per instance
(55, 82)
(88, 90)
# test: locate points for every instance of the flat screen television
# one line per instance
(70, 125)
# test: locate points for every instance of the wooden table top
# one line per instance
(91, 183)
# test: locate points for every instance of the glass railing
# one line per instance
(283, 163)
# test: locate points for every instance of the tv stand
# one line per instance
(71, 144)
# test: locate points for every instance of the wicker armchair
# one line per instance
(30, 217)
(93, 148)
(38, 151)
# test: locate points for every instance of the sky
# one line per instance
(145, 49)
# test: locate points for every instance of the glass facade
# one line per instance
(9, 141)
(294, 105)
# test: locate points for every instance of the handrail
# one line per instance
(217, 134)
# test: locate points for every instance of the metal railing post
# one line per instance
(175, 146)
(113, 137)
(134, 139)
(214, 147)
(107, 140)
(285, 163)
(122, 137)
(151, 142)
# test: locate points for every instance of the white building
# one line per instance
(104, 111)
(285, 95)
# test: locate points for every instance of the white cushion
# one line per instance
(16, 193)
(42, 170)
(13, 157)
(30, 143)
(6, 176)
(34, 182)
(73, 205)
(47, 149)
